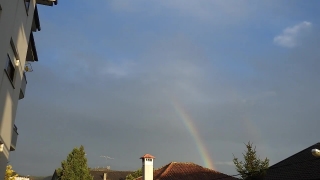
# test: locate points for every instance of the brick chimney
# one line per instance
(147, 167)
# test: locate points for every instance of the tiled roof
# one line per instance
(300, 166)
(111, 175)
(187, 171)
(147, 156)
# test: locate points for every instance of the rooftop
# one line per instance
(187, 171)
(47, 2)
(111, 174)
(302, 165)
(147, 156)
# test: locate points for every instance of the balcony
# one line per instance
(14, 138)
(47, 2)
(23, 86)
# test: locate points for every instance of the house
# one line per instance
(171, 171)
(21, 178)
(105, 174)
(110, 175)
(19, 19)
(301, 166)
(178, 171)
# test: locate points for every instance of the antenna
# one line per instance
(107, 157)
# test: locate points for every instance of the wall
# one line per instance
(147, 169)
(15, 24)
(21, 178)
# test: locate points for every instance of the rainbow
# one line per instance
(188, 122)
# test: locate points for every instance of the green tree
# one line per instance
(252, 168)
(134, 175)
(75, 166)
(10, 173)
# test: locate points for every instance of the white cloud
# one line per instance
(119, 69)
(289, 36)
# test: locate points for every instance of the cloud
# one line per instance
(109, 87)
(290, 35)
(117, 69)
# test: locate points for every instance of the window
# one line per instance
(0, 11)
(27, 4)
(10, 68)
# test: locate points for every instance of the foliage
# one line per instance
(134, 175)
(252, 168)
(75, 166)
(10, 173)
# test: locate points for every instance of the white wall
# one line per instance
(21, 178)
(147, 169)
(15, 24)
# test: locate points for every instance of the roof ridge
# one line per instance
(167, 169)
(110, 171)
(295, 154)
(206, 168)
(162, 167)
(184, 162)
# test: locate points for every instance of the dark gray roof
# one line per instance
(300, 166)
(47, 2)
(111, 174)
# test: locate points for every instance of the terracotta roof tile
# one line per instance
(147, 156)
(187, 171)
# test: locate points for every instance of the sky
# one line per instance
(183, 80)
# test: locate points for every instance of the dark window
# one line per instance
(27, 4)
(10, 68)
(0, 11)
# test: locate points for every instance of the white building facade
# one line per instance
(18, 20)
(21, 178)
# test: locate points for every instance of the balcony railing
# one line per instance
(14, 138)
(23, 86)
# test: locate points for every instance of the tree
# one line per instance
(134, 175)
(75, 166)
(252, 168)
(10, 173)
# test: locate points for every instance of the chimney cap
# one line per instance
(147, 156)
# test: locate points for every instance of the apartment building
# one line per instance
(21, 178)
(19, 19)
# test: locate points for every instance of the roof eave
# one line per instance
(33, 48)
(47, 2)
(36, 19)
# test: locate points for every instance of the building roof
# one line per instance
(147, 156)
(111, 174)
(302, 165)
(32, 54)
(47, 2)
(187, 171)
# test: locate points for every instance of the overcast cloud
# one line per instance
(108, 70)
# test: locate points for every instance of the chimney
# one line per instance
(104, 176)
(147, 167)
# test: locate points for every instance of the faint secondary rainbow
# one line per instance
(188, 122)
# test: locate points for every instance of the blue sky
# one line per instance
(245, 71)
